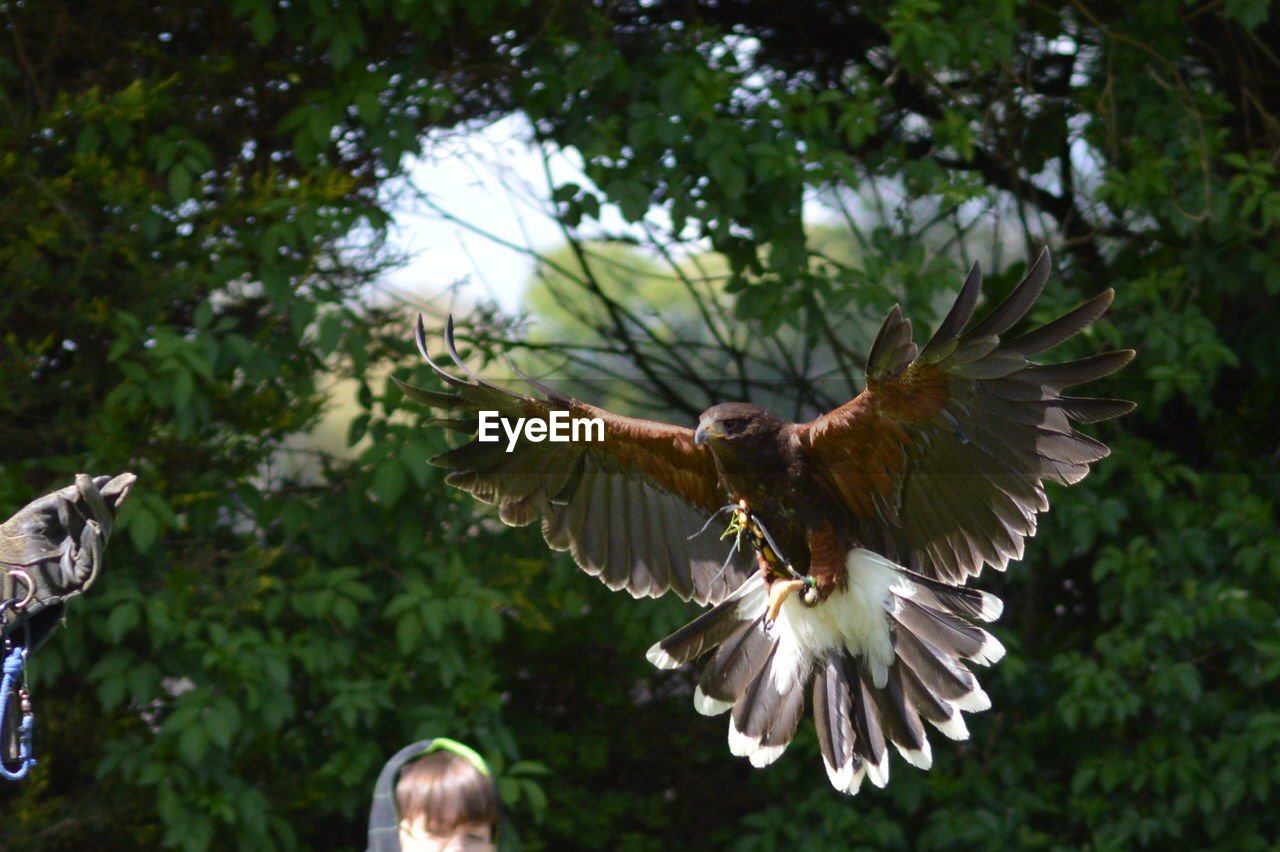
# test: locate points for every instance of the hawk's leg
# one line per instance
(772, 562)
(779, 573)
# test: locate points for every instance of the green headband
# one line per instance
(472, 756)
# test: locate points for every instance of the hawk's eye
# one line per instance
(732, 424)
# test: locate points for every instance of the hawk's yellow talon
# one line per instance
(778, 593)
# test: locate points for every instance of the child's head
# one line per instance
(444, 796)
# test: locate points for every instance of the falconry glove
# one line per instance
(51, 551)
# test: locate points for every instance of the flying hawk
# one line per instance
(860, 528)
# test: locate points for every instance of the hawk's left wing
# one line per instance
(942, 458)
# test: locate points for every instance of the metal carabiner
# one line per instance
(22, 575)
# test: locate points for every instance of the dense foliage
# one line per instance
(192, 195)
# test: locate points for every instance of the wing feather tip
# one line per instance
(953, 727)
(744, 745)
(991, 607)
(840, 777)
(920, 758)
(878, 772)
(660, 657)
(848, 777)
(708, 706)
(991, 652)
(974, 701)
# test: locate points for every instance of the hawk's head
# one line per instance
(739, 425)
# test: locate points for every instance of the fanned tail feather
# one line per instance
(883, 654)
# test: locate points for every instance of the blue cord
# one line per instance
(13, 665)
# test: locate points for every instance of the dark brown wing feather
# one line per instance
(942, 458)
(627, 508)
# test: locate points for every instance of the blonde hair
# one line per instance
(446, 792)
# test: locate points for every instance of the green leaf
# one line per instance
(528, 767)
(340, 48)
(143, 528)
(179, 183)
(367, 106)
(88, 141)
(320, 125)
(389, 481)
(356, 430)
(632, 198)
(408, 633)
(193, 742)
(203, 315)
(565, 193)
(222, 722)
(1250, 13)
(263, 23)
(123, 618)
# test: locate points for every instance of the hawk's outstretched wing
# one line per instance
(628, 507)
(942, 458)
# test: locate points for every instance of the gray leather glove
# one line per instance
(51, 551)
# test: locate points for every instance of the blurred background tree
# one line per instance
(194, 197)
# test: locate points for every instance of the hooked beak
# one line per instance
(707, 431)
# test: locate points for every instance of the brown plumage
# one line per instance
(884, 507)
